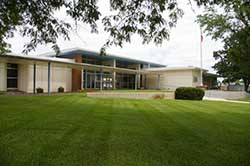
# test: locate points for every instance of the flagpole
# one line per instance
(201, 40)
(201, 70)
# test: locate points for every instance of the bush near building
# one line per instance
(189, 93)
(60, 89)
(39, 90)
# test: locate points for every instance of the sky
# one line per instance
(183, 48)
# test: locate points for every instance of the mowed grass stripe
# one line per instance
(77, 130)
(194, 122)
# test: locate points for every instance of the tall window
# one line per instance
(195, 79)
(12, 75)
(93, 80)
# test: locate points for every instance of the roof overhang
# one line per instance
(168, 69)
(211, 75)
(11, 58)
(69, 53)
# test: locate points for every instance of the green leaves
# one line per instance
(234, 60)
(229, 21)
(142, 17)
(35, 19)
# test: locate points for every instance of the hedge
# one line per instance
(189, 93)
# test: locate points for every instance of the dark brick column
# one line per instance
(77, 75)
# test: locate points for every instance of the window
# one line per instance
(195, 79)
(12, 75)
(93, 80)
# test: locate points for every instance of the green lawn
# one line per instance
(245, 99)
(2, 93)
(76, 130)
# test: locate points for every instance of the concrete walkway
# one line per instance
(225, 100)
(232, 95)
(132, 95)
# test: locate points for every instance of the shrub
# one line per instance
(60, 89)
(189, 93)
(82, 91)
(159, 96)
(39, 90)
(2, 92)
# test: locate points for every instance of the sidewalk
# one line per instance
(225, 100)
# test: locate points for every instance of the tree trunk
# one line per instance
(228, 85)
(246, 85)
(246, 88)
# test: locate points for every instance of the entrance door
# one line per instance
(12, 76)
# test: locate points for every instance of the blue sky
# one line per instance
(183, 48)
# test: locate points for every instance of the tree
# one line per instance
(225, 68)
(229, 21)
(35, 19)
(238, 51)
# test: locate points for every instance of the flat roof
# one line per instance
(68, 53)
(176, 68)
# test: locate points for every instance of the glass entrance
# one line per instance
(12, 76)
(92, 80)
(125, 81)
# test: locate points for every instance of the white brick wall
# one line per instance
(171, 79)
(3, 76)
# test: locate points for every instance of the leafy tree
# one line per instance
(229, 21)
(35, 19)
(224, 67)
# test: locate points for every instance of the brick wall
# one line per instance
(77, 75)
